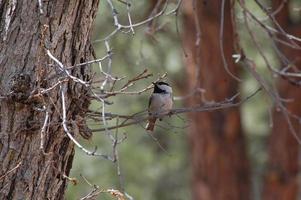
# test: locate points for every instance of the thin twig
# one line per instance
(64, 123)
(221, 43)
(43, 129)
(10, 171)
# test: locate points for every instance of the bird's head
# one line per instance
(162, 87)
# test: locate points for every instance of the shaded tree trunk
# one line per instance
(219, 160)
(27, 172)
(281, 179)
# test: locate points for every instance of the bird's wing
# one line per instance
(150, 101)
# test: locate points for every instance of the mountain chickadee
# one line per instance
(160, 103)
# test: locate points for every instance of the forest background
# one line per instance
(75, 81)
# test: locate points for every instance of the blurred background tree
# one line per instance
(219, 158)
(282, 174)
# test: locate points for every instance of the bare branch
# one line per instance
(229, 103)
(64, 123)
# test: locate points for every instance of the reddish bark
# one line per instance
(281, 180)
(218, 151)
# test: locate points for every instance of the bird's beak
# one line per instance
(153, 83)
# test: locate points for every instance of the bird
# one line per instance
(160, 102)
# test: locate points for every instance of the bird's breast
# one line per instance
(161, 103)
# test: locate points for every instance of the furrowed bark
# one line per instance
(64, 29)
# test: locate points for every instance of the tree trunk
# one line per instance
(64, 29)
(219, 160)
(281, 179)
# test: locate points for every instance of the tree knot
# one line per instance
(20, 87)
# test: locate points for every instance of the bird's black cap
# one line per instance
(160, 83)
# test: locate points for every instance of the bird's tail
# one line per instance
(151, 124)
